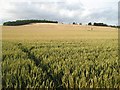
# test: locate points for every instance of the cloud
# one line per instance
(109, 16)
(62, 10)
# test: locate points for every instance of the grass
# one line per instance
(60, 56)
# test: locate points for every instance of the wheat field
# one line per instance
(57, 32)
(60, 56)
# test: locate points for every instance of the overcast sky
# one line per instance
(67, 11)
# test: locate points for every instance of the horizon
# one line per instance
(60, 22)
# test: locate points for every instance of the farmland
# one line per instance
(57, 32)
(60, 56)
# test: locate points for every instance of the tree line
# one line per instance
(97, 24)
(102, 24)
(24, 22)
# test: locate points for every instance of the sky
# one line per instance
(66, 11)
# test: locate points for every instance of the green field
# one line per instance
(60, 56)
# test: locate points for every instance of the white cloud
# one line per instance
(62, 10)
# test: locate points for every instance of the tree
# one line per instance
(100, 24)
(74, 23)
(89, 23)
(23, 22)
(80, 23)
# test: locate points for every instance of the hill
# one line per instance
(24, 22)
(45, 31)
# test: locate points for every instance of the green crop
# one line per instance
(61, 64)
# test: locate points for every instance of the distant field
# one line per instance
(57, 32)
(60, 56)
